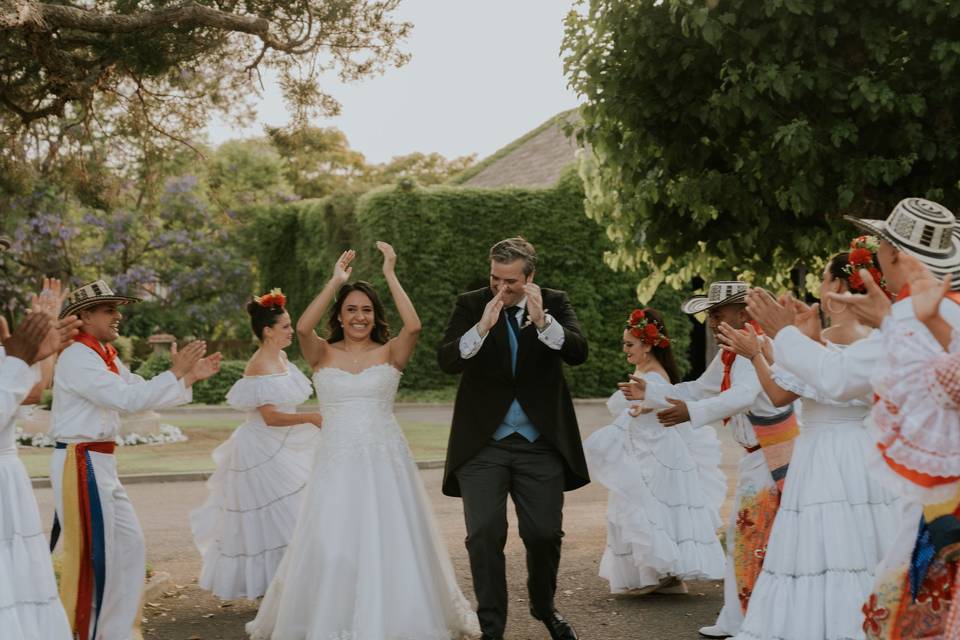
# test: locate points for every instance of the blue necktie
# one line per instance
(514, 335)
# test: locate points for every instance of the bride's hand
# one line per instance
(389, 257)
(342, 270)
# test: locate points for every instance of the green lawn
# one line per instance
(428, 442)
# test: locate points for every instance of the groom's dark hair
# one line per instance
(515, 249)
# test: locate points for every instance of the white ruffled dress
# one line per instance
(30, 606)
(914, 421)
(243, 528)
(665, 492)
(835, 523)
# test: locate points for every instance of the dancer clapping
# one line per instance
(243, 528)
(30, 608)
(836, 521)
(665, 483)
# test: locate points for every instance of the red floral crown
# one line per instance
(273, 299)
(647, 329)
(863, 255)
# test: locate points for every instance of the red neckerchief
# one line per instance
(106, 351)
(728, 358)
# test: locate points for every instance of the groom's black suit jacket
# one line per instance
(488, 386)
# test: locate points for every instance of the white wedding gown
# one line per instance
(366, 561)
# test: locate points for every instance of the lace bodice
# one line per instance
(357, 408)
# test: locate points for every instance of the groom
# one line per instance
(514, 429)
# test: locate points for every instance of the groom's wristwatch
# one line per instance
(547, 321)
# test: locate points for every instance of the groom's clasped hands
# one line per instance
(536, 314)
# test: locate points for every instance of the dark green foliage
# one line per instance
(153, 366)
(732, 136)
(211, 391)
(297, 244)
(214, 390)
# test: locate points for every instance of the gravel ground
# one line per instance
(187, 613)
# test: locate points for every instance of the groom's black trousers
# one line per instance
(533, 474)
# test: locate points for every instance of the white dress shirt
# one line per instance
(552, 334)
(708, 405)
(845, 374)
(88, 398)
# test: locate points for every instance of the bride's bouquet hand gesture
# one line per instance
(389, 257)
(342, 269)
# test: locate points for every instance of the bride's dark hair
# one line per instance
(381, 330)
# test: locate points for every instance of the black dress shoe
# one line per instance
(559, 628)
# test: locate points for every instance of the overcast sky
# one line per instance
(483, 73)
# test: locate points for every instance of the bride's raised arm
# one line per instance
(401, 347)
(313, 346)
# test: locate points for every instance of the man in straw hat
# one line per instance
(730, 392)
(104, 559)
(917, 230)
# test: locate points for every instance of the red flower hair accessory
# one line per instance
(863, 255)
(646, 329)
(273, 299)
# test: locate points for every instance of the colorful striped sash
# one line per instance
(776, 434)
(84, 570)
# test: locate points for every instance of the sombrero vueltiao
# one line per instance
(719, 294)
(91, 295)
(924, 229)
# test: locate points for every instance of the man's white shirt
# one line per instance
(88, 398)
(708, 405)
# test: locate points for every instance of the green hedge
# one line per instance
(211, 391)
(443, 235)
(296, 245)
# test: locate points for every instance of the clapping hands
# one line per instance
(342, 268)
(389, 257)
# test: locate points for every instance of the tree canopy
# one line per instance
(75, 61)
(732, 136)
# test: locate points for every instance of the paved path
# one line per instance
(187, 613)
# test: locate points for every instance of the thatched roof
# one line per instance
(536, 159)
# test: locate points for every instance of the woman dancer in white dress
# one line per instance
(245, 525)
(665, 484)
(836, 521)
(30, 607)
(366, 561)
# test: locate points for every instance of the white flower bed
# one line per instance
(168, 433)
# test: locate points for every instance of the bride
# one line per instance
(365, 561)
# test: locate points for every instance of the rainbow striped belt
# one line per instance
(84, 570)
(775, 436)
